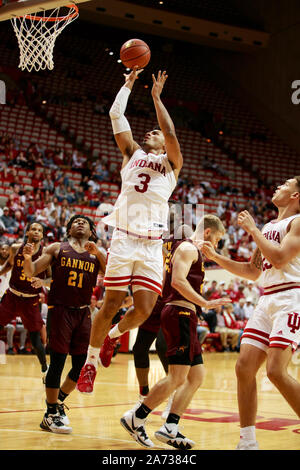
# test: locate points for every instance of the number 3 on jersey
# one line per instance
(144, 183)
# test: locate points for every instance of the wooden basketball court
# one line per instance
(211, 421)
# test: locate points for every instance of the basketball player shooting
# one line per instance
(149, 175)
(273, 331)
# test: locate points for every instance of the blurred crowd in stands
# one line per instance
(53, 196)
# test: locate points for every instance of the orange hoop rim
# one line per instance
(54, 19)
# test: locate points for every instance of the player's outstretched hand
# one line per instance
(28, 250)
(218, 302)
(158, 83)
(131, 77)
(36, 282)
(91, 247)
(246, 221)
(207, 249)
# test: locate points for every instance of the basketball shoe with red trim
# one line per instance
(107, 350)
(85, 383)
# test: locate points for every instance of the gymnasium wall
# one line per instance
(264, 80)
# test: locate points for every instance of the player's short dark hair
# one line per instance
(297, 178)
(28, 226)
(93, 236)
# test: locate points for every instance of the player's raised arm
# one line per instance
(184, 257)
(120, 124)
(9, 263)
(32, 269)
(249, 270)
(166, 124)
(279, 255)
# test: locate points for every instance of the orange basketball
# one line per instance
(135, 52)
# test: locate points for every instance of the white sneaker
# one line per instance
(54, 423)
(135, 427)
(170, 435)
(247, 445)
(167, 409)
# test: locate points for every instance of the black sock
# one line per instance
(144, 390)
(142, 412)
(173, 418)
(51, 408)
(62, 395)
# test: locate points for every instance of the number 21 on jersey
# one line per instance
(75, 279)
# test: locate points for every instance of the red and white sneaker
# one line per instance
(85, 383)
(107, 350)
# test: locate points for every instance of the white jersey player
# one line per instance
(149, 174)
(273, 331)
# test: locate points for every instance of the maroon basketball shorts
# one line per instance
(179, 325)
(69, 329)
(153, 321)
(27, 308)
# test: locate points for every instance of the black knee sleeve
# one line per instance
(141, 348)
(161, 349)
(77, 364)
(57, 362)
(35, 338)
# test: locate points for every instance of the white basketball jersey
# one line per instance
(142, 206)
(275, 232)
(4, 281)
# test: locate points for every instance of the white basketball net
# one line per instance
(37, 34)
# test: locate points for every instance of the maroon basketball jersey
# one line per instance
(18, 280)
(195, 276)
(74, 275)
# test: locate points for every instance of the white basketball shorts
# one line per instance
(134, 261)
(275, 322)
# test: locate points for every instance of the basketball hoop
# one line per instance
(36, 34)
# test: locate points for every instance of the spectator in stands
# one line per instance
(248, 308)
(104, 175)
(192, 197)
(78, 161)
(19, 219)
(11, 328)
(48, 183)
(79, 195)
(226, 326)
(239, 310)
(93, 307)
(48, 160)
(61, 192)
(3, 237)
(220, 209)
(182, 192)
(211, 290)
(252, 292)
(243, 251)
(9, 222)
(37, 178)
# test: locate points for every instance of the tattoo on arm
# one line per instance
(257, 259)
